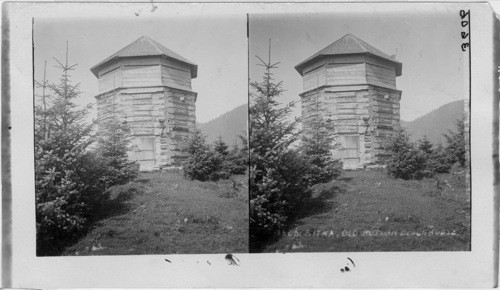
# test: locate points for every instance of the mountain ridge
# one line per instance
(229, 126)
(435, 123)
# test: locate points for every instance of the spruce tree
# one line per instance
(221, 147)
(425, 145)
(203, 163)
(318, 143)
(276, 171)
(67, 177)
(112, 147)
(456, 143)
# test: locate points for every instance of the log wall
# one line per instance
(349, 70)
(367, 115)
(146, 71)
(110, 80)
(160, 120)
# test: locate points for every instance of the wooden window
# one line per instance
(350, 147)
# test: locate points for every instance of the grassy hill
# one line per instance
(229, 126)
(435, 123)
(165, 213)
(369, 211)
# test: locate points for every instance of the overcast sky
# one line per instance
(427, 43)
(218, 45)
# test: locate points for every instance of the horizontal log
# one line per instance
(180, 129)
(137, 107)
(142, 91)
(142, 131)
(385, 127)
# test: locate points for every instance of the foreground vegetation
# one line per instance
(369, 211)
(281, 176)
(74, 166)
(164, 213)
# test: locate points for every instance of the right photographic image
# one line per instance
(359, 132)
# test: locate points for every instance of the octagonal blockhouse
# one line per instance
(354, 84)
(148, 87)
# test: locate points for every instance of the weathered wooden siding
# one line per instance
(180, 120)
(314, 75)
(110, 80)
(369, 115)
(381, 76)
(384, 120)
(161, 115)
(176, 77)
(141, 76)
(142, 72)
(346, 74)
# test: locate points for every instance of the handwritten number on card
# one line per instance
(465, 17)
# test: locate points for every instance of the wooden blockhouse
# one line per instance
(148, 87)
(355, 87)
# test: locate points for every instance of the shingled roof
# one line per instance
(145, 46)
(349, 44)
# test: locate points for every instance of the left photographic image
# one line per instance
(140, 135)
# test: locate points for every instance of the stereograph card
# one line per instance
(238, 145)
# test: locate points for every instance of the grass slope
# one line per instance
(164, 213)
(368, 211)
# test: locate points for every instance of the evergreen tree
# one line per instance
(318, 143)
(425, 145)
(276, 172)
(197, 143)
(407, 161)
(456, 143)
(61, 125)
(221, 147)
(202, 163)
(236, 162)
(112, 147)
(67, 177)
(439, 160)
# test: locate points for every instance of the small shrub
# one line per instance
(112, 147)
(456, 144)
(204, 163)
(205, 166)
(236, 164)
(407, 162)
(439, 160)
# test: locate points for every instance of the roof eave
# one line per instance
(300, 66)
(95, 69)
